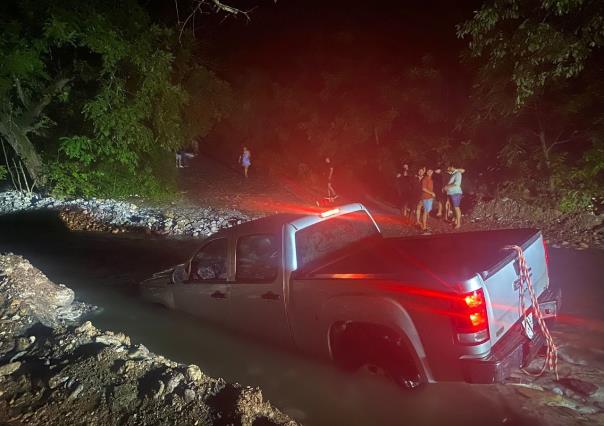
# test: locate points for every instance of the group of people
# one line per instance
(419, 193)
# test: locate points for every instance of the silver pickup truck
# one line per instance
(420, 309)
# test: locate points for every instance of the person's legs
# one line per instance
(418, 211)
(439, 207)
(427, 204)
(331, 193)
(456, 203)
(245, 171)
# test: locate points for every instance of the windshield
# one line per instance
(329, 236)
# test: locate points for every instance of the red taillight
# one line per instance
(470, 318)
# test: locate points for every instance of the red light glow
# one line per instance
(478, 319)
(474, 300)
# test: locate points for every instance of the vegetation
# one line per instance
(539, 91)
(90, 97)
(96, 96)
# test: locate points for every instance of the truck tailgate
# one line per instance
(502, 286)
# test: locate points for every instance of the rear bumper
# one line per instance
(513, 351)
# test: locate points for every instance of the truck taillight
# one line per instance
(470, 318)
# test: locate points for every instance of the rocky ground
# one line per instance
(56, 368)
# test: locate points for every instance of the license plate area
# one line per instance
(548, 309)
(528, 326)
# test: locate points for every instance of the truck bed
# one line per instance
(449, 257)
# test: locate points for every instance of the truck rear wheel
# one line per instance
(375, 349)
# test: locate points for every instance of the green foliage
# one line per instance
(126, 103)
(3, 172)
(537, 43)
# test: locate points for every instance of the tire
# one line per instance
(377, 350)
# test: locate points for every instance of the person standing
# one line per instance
(245, 159)
(427, 197)
(331, 193)
(437, 179)
(454, 193)
(417, 194)
(403, 188)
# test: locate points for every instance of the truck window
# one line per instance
(326, 237)
(210, 262)
(257, 258)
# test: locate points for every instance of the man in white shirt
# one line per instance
(454, 192)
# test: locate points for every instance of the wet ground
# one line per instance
(103, 269)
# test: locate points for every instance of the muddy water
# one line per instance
(102, 269)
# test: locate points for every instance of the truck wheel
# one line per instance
(374, 349)
(396, 366)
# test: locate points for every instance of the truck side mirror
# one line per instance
(179, 274)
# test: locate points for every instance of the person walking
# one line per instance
(403, 188)
(331, 193)
(454, 193)
(427, 197)
(245, 159)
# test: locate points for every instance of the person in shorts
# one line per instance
(454, 193)
(245, 159)
(427, 197)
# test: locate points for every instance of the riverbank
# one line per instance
(56, 368)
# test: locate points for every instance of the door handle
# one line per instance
(218, 295)
(270, 296)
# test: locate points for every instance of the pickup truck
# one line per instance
(416, 309)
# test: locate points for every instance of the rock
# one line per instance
(17, 356)
(194, 374)
(87, 329)
(22, 344)
(77, 391)
(56, 380)
(189, 395)
(158, 390)
(111, 339)
(9, 368)
(138, 352)
(174, 381)
(581, 387)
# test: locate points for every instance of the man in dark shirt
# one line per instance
(403, 188)
(437, 179)
(331, 193)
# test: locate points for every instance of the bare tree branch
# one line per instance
(199, 6)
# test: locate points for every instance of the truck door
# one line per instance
(206, 292)
(257, 304)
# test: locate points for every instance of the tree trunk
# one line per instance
(26, 151)
(548, 165)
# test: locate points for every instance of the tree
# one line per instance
(538, 90)
(89, 95)
(536, 42)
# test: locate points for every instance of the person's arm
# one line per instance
(330, 173)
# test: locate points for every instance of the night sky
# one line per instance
(284, 33)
